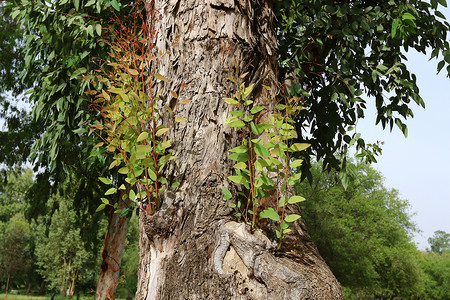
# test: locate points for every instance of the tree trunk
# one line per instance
(7, 285)
(192, 248)
(42, 288)
(112, 253)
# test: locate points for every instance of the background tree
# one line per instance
(11, 58)
(61, 252)
(364, 232)
(14, 186)
(18, 131)
(15, 251)
(435, 275)
(439, 242)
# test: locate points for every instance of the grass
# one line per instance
(46, 297)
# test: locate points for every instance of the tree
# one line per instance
(439, 242)
(435, 278)
(61, 253)
(15, 183)
(13, 189)
(15, 254)
(185, 248)
(21, 131)
(363, 232)
(11, 60)
(194, 222)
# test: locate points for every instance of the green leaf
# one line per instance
(394, 28)
(132, 195)
(175, 185)
(105, 180)
(231, 101)
(296, 163)
(291, 218)
(142, 136)
(269, 213)
(104, 200)
(163, 180)
(260, 150)
(256, 109)
(237, 113)
(98, 29)
(144, 148)
(161, 131)
(226, 193)
(260, 164)
(248, 118)
(240, 165)
(248, 90)
(164, 145)
(299, 147)
(100, 207)
(294, 178)
(151, 174)
(238, 179)
(239, 157)
(180, 119)
(255, 129)
(239, 149)
(281, 106)
(123, 170)
(237, 124)
(115, 4)
(115, 90)
(408, 16)
(296, 199)
(111, 191)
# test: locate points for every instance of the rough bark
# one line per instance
(192, 248)
(112, 254)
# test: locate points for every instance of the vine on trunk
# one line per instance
(264, 162)
(130, 126)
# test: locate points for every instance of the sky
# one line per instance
(419, 165)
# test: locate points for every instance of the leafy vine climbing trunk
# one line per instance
(192, 248)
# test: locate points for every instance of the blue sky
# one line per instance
(419, 165)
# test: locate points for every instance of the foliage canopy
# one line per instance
(363, 232)
(338, 54)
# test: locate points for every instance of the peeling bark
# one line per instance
(192, 248)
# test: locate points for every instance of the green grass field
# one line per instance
(46, 297)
